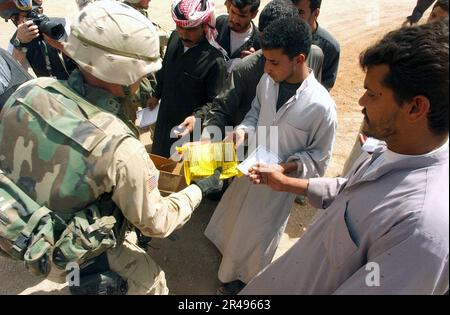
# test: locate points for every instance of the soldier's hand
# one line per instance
(211, 184)
(27, 31)
(152, 103)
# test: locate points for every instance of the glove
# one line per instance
(211, 184)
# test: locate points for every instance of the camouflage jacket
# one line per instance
(65, 161)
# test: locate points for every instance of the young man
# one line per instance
(439, 12)
(193, 70)
(309, 11)
(237, 33)
(248, 222)
(385, 229)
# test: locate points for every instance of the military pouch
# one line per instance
(26, 229)
(86, 236)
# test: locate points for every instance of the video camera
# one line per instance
(46, 26)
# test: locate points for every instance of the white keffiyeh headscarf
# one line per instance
(192, 13)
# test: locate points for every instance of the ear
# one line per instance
(300, 58)
(254, 14)
(316, 13)
(418, 108)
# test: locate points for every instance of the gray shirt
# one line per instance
(383, 232)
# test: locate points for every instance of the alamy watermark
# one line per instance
(374, 275)
(267, 136)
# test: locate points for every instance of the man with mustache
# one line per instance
(193, 70)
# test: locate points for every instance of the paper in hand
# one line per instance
(147, 117)
(260, 155)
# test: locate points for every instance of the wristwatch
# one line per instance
(19, 45)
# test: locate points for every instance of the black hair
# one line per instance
(443, 4)
(240, 4)
(418, 65)
(291, 35)
(274, 10)
(313, 4)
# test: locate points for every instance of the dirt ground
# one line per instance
(188, 258)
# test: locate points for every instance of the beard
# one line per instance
(380, 131)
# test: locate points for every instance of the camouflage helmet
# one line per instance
(11, 7)
(131, 1)
(113, 43)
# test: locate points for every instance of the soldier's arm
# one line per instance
(136, 193)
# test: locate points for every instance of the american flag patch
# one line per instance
(152, 182)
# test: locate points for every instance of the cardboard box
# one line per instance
(171, 177)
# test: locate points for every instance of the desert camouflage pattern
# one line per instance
(65, 157)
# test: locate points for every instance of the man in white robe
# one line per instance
(248, 223)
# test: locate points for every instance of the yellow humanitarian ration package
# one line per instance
(202, 159)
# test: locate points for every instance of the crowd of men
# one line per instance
(69, 142)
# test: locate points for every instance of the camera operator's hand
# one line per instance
(211, 184)
(27, 31)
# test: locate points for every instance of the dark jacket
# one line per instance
(186, 81)
(331, 51)
(223, 38)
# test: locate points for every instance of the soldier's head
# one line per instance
(439, 12)
(241, 14)
(114, 45)
(138, 4)
(406, 85)
(194, 19)
(17, 10)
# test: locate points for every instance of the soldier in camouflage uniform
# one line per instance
(66, 155)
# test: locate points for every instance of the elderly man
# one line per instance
(193, 70)
(385, 229)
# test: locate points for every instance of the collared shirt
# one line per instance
(386, 233)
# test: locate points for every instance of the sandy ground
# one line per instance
(188, 258)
